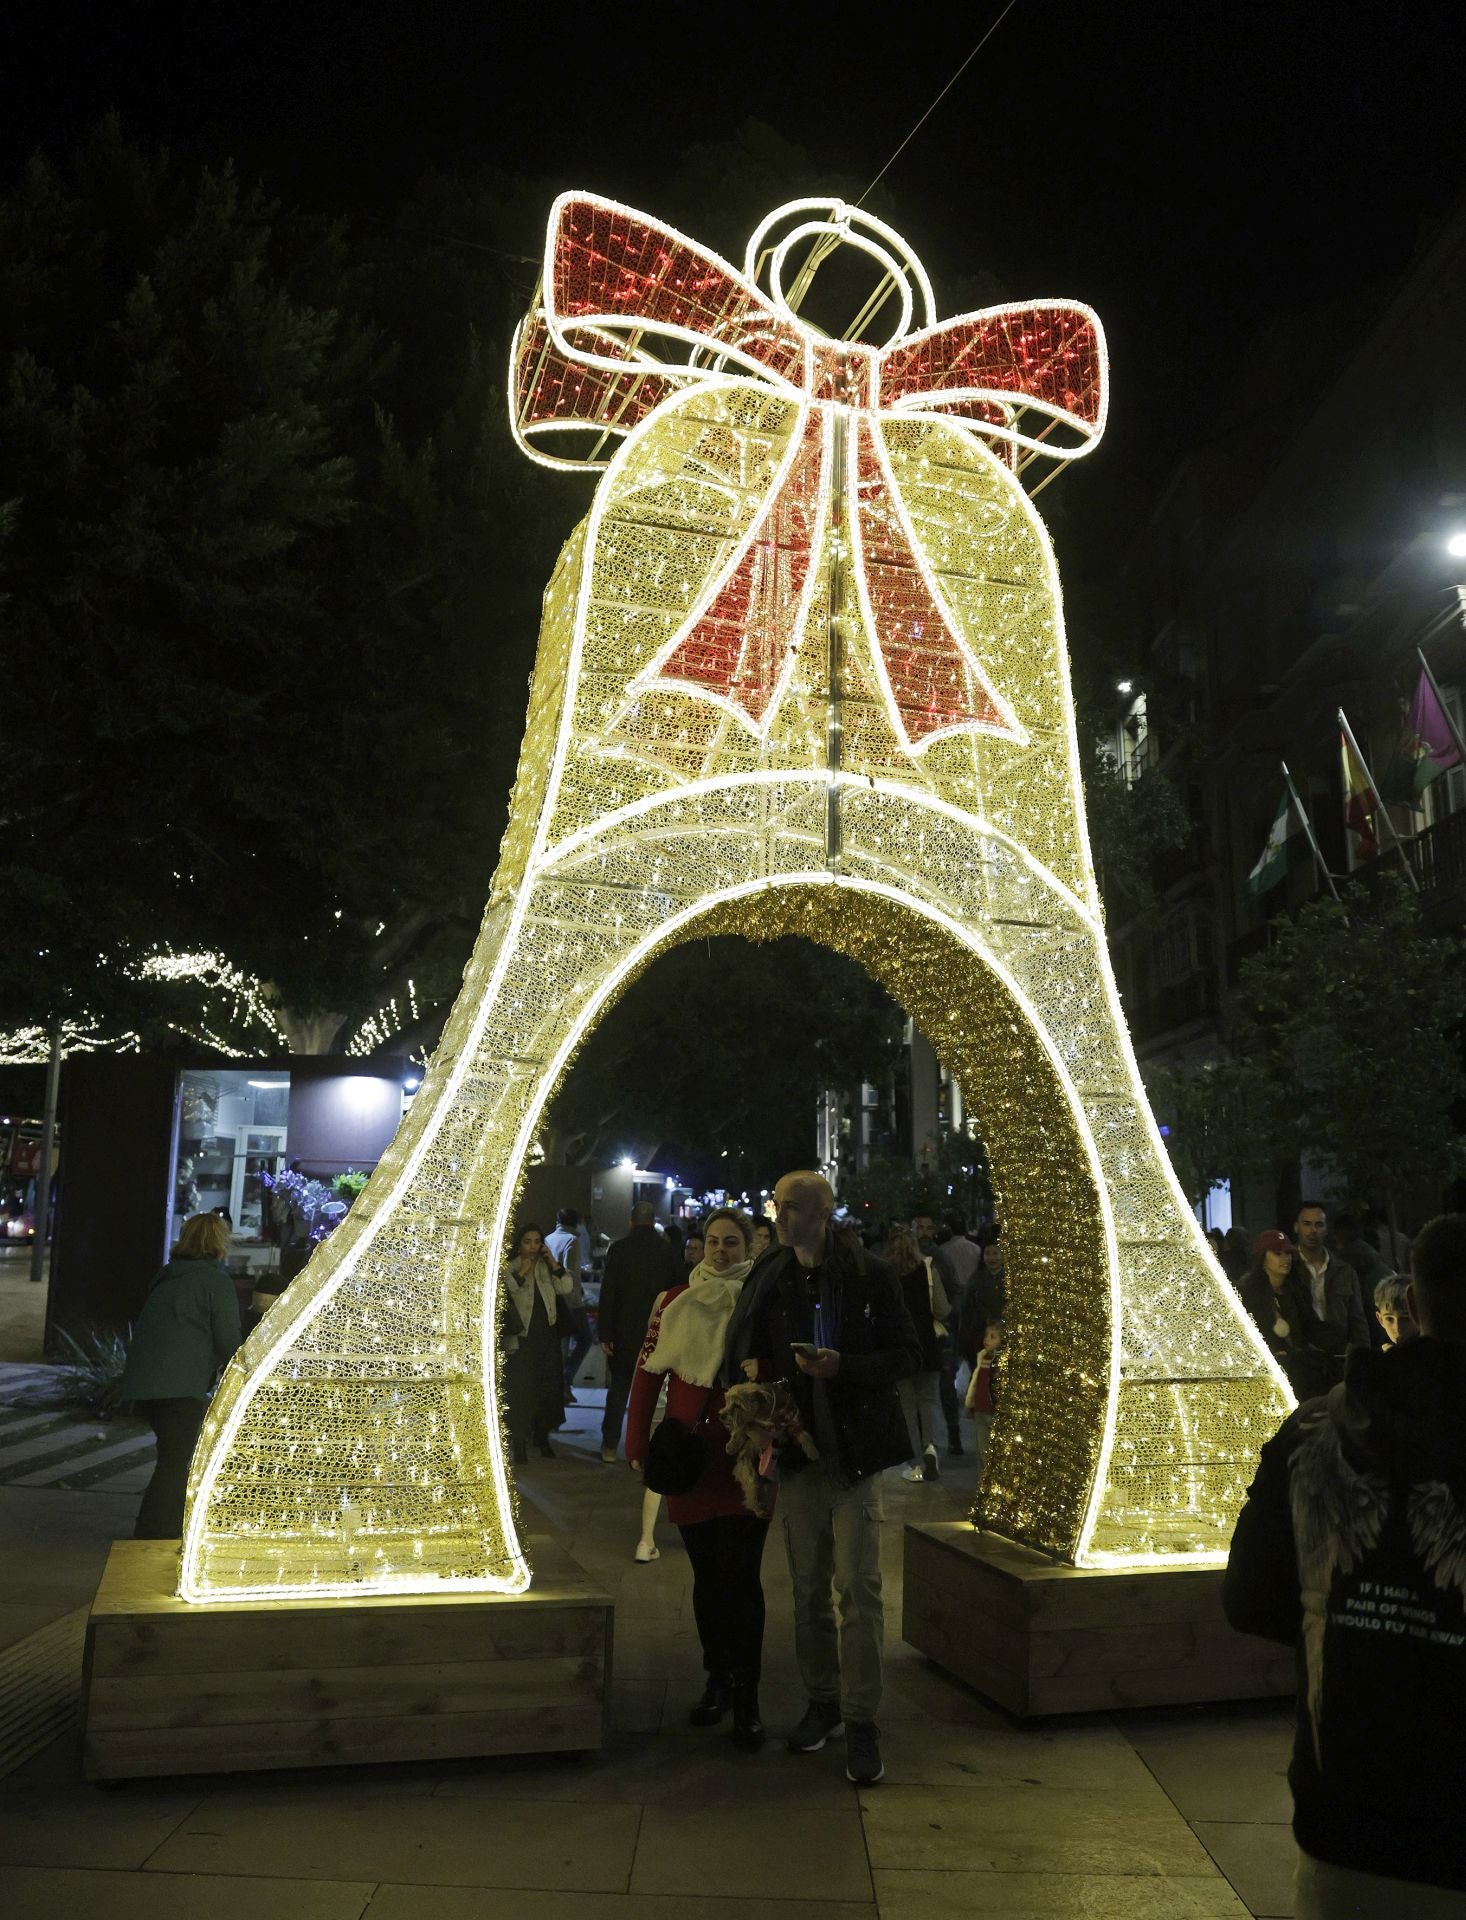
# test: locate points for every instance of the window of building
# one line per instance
(231, 1129)
(1134, 741)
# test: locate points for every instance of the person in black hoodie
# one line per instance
(830, 1320)
(1352, 1545)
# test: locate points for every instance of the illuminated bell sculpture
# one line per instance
(801, 671)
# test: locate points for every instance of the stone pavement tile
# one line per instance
(1257, 1858)
(44, 1893)
(76, 1825)
(688, 1768)
(1053, 1896)
(741, 1850)
(1030, 1830)
(638, 1706)
(18, 1620)
(916, 1688)
(420, 1838)
(462, 1903)
(1216, 1766)
(941, 1754)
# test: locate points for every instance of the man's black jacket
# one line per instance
(872, 1332)
(638, 1268)
(1352, 1545)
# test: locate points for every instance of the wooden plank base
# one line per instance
(172, 1688)
(1040, 1638)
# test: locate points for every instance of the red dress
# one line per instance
(716, 1491)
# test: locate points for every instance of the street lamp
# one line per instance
(1456, 545)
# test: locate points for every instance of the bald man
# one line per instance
(833, 1324)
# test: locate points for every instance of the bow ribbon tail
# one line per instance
(931, 679)
(739, 650)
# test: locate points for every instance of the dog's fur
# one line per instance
(760, 1415)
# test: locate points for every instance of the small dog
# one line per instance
(761, 1417)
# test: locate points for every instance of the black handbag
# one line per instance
(676, 1455)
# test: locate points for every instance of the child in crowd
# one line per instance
(982, 1398)
(1392, 1310)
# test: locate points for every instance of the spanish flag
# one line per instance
(1361, 802)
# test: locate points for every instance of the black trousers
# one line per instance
(618, 1392)
(176, 1424)
(947, 1388)
(577, 1346)
(727, 1599)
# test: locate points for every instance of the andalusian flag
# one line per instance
(1427, 747)
(1361, 802)
(1283, 844)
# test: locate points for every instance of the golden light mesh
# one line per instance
(356, 1441)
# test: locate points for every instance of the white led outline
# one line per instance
(847, 238)
(841, 216)
(558, 857)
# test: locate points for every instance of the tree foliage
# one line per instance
(722, 1049)
(1346, 1051)
(256, 665)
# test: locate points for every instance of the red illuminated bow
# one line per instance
(617, 282)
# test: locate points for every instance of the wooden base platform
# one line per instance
(172, 1688)
(1039, 1638)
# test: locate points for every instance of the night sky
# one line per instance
(1194, 172)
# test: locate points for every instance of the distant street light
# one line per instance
(1456, 545)
(1125, 686)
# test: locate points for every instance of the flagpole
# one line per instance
(1440, 702)
(1318, 859)
(1384, 810)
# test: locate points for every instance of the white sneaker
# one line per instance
(646, 1552)
(913, 1473)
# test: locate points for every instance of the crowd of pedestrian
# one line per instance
(1315, 1293)
(868, 1347)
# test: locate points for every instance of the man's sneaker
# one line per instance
(608, 1454)
(863, 1753)
(929, 1468)
(821, 1720)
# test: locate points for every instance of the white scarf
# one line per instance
(694, 1326)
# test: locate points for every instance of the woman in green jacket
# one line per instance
(188, 1328)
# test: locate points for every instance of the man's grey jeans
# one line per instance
(832, 1533)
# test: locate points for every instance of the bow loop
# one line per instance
(991, 367)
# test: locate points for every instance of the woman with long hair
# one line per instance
(533, 1378)
(188, 1328)
(724, 1541)
(1279, 1301)
(926, 1302)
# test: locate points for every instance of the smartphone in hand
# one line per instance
(805, 1347)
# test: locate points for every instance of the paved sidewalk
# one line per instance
(1176, 1815)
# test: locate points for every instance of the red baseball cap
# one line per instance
(1273, 1242)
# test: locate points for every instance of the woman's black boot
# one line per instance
(717, 1697)
(748, 1729)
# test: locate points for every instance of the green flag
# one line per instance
(1284, 840)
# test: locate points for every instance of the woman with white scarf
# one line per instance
(534, 1382)
(724, 1541)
